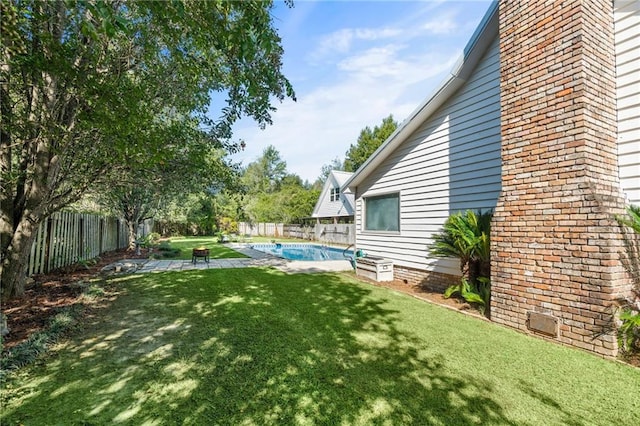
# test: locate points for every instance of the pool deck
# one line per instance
(255, 259)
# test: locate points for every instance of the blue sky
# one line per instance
(352, 63)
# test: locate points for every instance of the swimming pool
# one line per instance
(304, 251)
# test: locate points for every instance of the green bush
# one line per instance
(150, 240)
(153, 238)
(166, 254)
(629, 330)
(165, 251)
(165, 246)
(479, 294)
(466, 236)
(27, 351)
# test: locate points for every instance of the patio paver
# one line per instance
(256, 259)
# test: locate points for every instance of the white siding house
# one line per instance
(333, 203)
(446, 157)
(627, 35)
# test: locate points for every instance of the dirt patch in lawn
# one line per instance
(49, 293)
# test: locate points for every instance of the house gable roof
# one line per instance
(478, 44)
(336, 179)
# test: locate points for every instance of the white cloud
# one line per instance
(375, 62)
(376, 34)
(354, 77)
(442, 24)
(325, 121)
(341, 41)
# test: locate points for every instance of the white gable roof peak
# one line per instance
(324, 208)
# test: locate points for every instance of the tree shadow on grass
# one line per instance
(570, 419)
(249, 346)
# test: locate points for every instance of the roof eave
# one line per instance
(475, 48)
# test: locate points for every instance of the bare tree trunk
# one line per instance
(6, 194)
(132, 227)
(13, 269)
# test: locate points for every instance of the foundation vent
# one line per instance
(542, 323)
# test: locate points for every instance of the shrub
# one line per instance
(479, 294)
(165, 251)
(165, 246)
(153, 238)
(150, 240)
(27, 351)
(171, 254)
(466, 236)
(227, 225)
(629, 330)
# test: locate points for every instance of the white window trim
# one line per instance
(334, 194)
(363, 213)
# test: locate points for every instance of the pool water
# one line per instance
(304, 251)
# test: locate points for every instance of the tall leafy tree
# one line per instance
(202, 212)
(297, 203)
(193, 167)
(80, 82)
(368, 141)
(335, 164)
(274, 195)
(266, 173)
(287, 205)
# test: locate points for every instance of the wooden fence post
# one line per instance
(83, 254)
(100, 232)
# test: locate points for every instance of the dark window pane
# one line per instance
(382, 213)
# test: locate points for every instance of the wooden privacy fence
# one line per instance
(298, 231)
(261, 229)
(66, 238)
(337, 233)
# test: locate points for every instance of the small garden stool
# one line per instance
(200, 252)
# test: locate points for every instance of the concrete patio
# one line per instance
(256, 259)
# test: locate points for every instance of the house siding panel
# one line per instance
(627, 46)
(450, 163)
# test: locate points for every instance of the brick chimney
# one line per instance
(555, 242)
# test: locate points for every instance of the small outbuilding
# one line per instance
(335, 206)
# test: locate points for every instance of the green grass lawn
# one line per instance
(186, 244)
(259, 347)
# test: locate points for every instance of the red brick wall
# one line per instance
(435, 281)
(555, 244)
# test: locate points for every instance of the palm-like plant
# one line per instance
(631, 259)
(633, 219)
(466, 236)
(629, 330)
